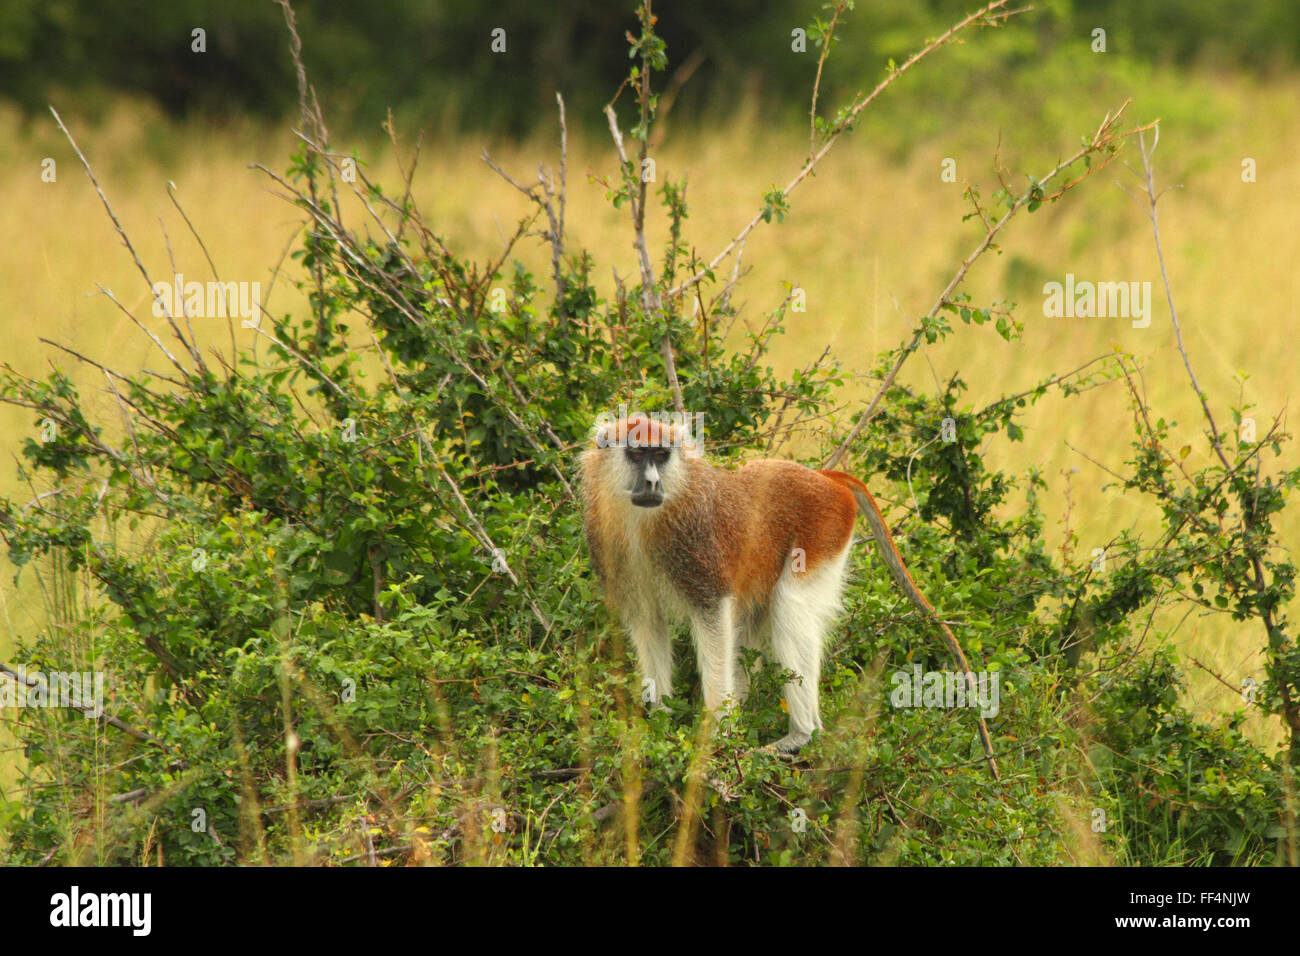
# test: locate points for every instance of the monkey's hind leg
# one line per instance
(803, 606)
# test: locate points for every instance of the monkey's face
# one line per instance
(642, 460)
(647, 467)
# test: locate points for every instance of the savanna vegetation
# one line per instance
(328, 556)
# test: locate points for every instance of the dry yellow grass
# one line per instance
(871, 243)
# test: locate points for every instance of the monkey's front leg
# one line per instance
(654, 656)
(714, 632)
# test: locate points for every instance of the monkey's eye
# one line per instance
(660, 455)
(635, 454)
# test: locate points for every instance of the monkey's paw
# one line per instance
(791, 743)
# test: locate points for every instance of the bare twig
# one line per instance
(817, 82)
(651, 300)
(1276, 639)
(1104, 138)
(230, 320)
(1217, 676)
(19, 677)
(851, 113)
(1152, 199)
(126, 242)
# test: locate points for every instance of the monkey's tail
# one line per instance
(898, 570)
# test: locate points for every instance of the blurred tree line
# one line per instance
(433, 59)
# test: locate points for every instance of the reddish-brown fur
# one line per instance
(717, 541)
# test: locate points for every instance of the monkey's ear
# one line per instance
(603, 432)
(688, 443)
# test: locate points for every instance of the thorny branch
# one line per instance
(1106, 139)
(985, 15)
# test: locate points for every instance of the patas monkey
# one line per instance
(750, 558)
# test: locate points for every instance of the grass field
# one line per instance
(871, 239)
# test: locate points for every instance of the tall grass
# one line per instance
(869, 241)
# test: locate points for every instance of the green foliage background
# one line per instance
(425, 59)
